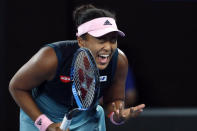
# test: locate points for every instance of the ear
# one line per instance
(81, 42)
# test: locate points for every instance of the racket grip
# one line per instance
(65, 123)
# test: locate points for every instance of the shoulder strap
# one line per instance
(59, 48)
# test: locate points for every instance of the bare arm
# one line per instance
(41, 67)
(116, 93)
(114, 96)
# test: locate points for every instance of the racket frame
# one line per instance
(68, 117)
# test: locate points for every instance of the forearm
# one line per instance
(25, 101)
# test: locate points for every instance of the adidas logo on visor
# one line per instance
(107, 23)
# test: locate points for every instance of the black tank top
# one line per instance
(59, 89)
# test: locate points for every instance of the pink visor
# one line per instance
(99, 27)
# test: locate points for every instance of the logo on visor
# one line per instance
(107, 23)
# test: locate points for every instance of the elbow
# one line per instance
(14, 86)
(11, 87)
(15, 89)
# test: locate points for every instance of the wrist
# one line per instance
(42, 122)
(111, 117)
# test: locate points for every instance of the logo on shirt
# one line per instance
(103, 78)
(65, 79)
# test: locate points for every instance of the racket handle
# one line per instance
(65, 123)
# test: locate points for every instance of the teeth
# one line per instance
(104, 56)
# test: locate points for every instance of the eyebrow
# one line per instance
(108, 37)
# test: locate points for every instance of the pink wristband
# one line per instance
(112, 119)
(42, 122)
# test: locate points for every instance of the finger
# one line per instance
(114, 106)
(141, 106)
(135, 112)
(121, 109)
(116, 111)
(139, 111)
(137, 108)
(132, 110)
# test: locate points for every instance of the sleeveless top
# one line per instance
(60, 88)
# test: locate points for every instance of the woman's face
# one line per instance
(102, 48)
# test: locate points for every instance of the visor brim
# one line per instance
(101, 32)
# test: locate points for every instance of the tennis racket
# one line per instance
(86, 85)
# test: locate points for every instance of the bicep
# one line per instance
(39, 68)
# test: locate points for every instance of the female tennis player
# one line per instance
(42, 86)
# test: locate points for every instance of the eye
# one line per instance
(113, 41)
(102, 41)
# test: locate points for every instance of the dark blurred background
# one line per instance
(160, 46)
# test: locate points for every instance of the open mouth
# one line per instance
(103, 58)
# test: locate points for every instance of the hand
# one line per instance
(121, 114)
(55, 127)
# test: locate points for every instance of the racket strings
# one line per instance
(84, 79)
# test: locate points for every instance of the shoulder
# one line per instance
(47, 54)
(41, 67)
(122, 60)
(44, 60)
